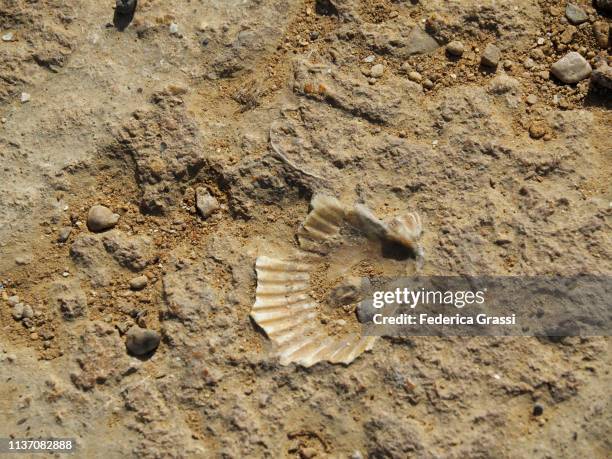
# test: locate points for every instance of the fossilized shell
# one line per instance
(284, 307)
(405, 230)
(287, 313)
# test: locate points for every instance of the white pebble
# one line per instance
(25, 97)
(7, 36)
(174, 28)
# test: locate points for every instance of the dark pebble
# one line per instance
(538, 409)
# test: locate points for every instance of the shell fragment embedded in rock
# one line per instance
(285, 307)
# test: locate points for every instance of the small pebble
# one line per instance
(28, 312)
(174, 28)
(537, 130)
(491, 56)
(529, 63)
(428, 84)
(138, 283)
(532, 99)
(140, 341)
(538, 409)
(415, 76)
(206, 204)
(64, 234)
(377, 71)
(13, 300)
(366, 311)
(7, 36)
(25, 97)
(101, 218)
(455, 48)
(17, 311)
(369, 59)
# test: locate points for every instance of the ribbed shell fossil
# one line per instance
(285, 306)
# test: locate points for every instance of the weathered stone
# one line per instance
(64, 234)
(138, 283)
(70, 299)
(141, 341)
(601, 30)
(206, 204)
(571, 68)
(101, 218)
(575, 14)
(491, 56)
(420, 42)
(455, 48)
(377, 71)
(602, 76)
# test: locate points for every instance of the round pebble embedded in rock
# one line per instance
(141, 341)
(138, 283)
(455, 48)
(101, 218)
(377, 71)
(537, 130)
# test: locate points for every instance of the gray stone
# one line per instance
(205, 203)
(571, 68)
(101, 218)
(491, 56)
(575, 14)
(420, 42)
(138, 283)
(64, 234)
(140, 341)
(602, 76)
(455, 48)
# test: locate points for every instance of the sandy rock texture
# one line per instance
(206, 127)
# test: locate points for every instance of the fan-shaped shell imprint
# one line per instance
(285, 307)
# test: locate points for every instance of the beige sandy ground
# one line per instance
(190, 95)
